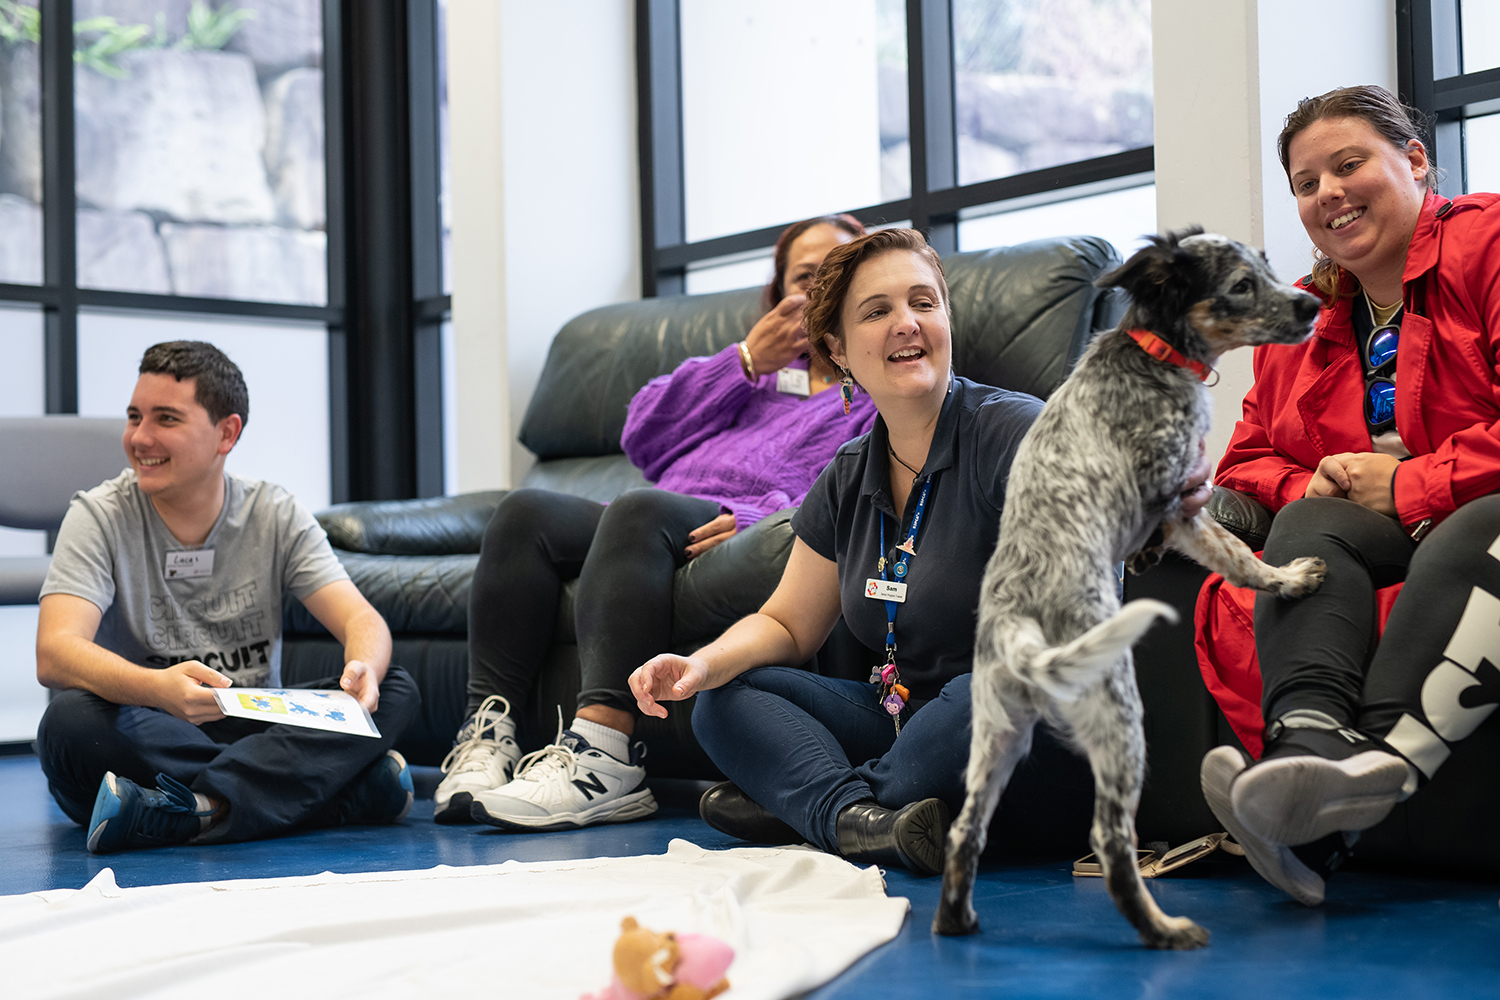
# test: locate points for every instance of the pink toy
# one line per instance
(652, 966)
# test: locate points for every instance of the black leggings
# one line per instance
(1430, 681)
(624, 556)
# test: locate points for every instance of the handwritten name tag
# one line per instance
(185, 565)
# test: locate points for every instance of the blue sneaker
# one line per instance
(382, 793)
(127, 816)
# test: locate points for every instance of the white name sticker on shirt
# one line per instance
(793, 381)
(183, 565)
(885, 590)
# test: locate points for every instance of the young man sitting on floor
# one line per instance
(168, 581)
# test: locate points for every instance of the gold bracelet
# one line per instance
(747, 363)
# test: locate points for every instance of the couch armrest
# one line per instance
(441, 526)
(1241, 514)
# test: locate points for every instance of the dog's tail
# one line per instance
(1066, 671)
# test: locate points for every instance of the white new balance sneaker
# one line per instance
(568, 785)
(483, 758)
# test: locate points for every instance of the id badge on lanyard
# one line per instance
(893, 694)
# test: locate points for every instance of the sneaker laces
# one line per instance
(473, 753)
(557, 755)
(170, 805)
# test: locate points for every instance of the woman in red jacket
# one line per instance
(1377, 445)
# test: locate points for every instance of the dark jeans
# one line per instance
(624, 556)
(274, 777)
(805, 746)
(1429, 685)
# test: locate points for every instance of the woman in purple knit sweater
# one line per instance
(727, 439)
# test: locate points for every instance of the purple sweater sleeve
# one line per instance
(675, 414)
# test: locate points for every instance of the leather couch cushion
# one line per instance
(439, 526)
(600, 359)
(1012, 308)
(601, 477)
(414, 593)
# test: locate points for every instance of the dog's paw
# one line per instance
(1175, 934)
(955, 920)
(1301, 577)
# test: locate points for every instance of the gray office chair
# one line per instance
(45, 461)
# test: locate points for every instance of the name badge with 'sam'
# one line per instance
(885, 590)
(185, 565)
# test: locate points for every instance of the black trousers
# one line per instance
(623, 555)
(1429, 685)
(274, 777)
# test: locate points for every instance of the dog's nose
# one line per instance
(1306, 307)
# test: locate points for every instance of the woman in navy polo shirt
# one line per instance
(894, 536)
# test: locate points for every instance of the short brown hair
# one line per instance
(775, 291)
(825, 300)
(1395, 122)
(220, 387)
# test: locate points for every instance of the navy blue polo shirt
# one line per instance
(969, 460)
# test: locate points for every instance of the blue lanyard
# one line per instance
(900, 568)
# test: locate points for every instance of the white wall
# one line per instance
(285, 364)
(545, 202)
(1225, 76)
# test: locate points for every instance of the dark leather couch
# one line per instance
(1021, 317)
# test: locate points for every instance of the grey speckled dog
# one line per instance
(1102, 468)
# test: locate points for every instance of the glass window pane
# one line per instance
(200, 148)
(1482, 153)
(20, 144)
(726, 273)
(1122, 217)
(754, 73)
(1481, 38)
(1040, 83)
(286, 440)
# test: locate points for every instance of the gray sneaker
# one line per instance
(1301, 872)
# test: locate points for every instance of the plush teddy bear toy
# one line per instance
(652, 966)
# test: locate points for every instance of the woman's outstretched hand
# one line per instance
(777, 338)
(667, 677)
(705, 537)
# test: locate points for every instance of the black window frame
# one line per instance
(380, 77)
(1429, 46)
(936, 199)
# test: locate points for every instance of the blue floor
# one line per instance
(1044, 933)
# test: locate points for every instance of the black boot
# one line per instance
(729, 810)
(914, 836)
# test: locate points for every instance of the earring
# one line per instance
(846, 391)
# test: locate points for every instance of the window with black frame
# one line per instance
(182, 169)
(1448, 67)
(981, 122)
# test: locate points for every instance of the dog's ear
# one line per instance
(1161, 277)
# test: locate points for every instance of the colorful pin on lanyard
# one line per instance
(893, 694)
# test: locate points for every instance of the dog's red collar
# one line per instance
(1163, 351)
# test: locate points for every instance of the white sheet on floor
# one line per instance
(795, 917)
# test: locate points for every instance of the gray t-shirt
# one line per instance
(115, 551)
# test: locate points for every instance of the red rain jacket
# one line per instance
(1308, 402)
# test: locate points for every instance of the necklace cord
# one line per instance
(915, 474)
